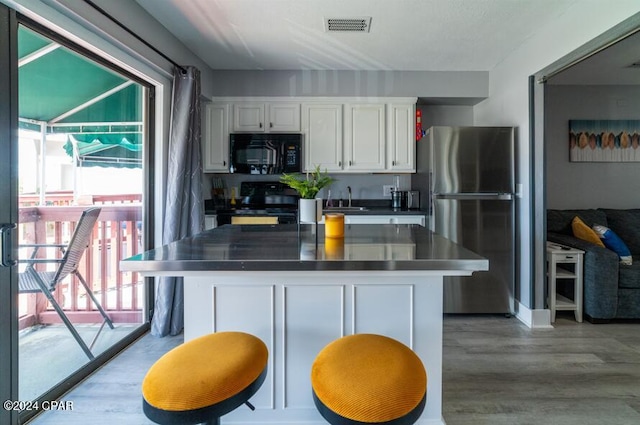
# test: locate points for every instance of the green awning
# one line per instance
(66, 93)
(105, 150)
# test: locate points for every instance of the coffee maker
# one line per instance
(398, 200)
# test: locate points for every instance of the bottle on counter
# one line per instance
(233, 197)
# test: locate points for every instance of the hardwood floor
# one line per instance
(496, 372)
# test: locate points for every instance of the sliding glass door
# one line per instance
(8, 216)
(74, 137)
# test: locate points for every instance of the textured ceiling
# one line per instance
(413, 35)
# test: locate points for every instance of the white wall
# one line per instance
(596, 184)
(447, 115)
(472, 84)
(508, 102)
(363, 186)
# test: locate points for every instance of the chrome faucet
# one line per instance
(349, 190)
(329, 201)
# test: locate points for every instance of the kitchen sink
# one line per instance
(345, 209)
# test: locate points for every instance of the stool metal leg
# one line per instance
(216, 421)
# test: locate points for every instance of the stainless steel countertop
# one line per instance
(285, 248)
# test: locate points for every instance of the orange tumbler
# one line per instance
(334, 248)
(334, 225)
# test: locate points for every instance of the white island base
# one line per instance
(298, 313)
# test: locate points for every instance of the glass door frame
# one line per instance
(9, 101)
(8, 212)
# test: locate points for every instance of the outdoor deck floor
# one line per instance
(496, 372)
(48, 354)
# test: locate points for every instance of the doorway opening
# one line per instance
(595, 82)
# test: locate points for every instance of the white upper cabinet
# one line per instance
(284, 117)
(401, 137)
(266, 117)
(248, 117)
(322, 128)
(378, 136)
(341, 134)
(215, 138)
(365, 138)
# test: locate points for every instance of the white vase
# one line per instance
(310, 210)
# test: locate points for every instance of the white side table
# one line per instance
(559, 254)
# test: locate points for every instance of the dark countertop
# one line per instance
(373, 207)
(380, 211)
(376, 207)
(283, 248)
(368, 211)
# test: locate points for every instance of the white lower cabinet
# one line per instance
(296, 314)
(385, 219)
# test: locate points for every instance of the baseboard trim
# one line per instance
(534, 319)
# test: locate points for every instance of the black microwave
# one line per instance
(270, 153)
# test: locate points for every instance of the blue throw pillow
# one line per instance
(614, 243)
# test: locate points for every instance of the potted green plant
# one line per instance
(308, 187)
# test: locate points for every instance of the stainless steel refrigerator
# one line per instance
(467, 176)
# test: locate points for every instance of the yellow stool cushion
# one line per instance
(204, 371)
(369, 378)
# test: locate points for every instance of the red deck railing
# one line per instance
(116, 236)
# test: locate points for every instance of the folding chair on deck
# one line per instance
(33, 281)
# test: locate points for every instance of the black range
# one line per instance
(263, 199)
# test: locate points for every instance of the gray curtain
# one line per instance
(184, 208)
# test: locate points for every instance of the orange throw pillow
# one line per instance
(584, 232)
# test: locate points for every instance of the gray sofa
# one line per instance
(611, 290)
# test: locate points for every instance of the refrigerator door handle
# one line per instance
(477, 196)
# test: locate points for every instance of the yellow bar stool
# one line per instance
(205, 378)
(368, 379)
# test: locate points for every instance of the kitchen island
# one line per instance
(297, 291)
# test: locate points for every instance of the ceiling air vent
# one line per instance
(362, 24)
